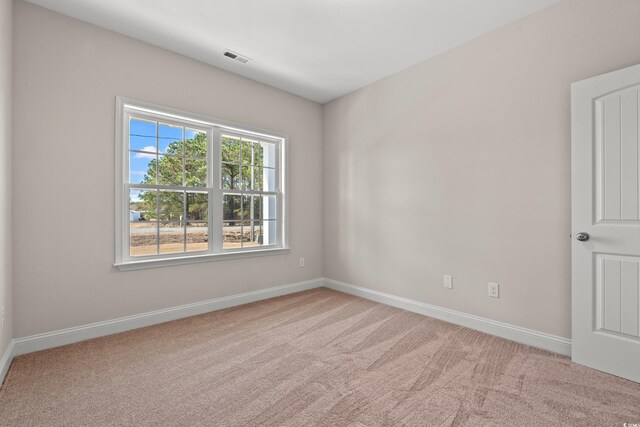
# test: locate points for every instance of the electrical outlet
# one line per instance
(448, 282)
(494, 290)
(301, 262)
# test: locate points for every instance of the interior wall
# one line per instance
(461, 165)
(6, 68)
(67, 75)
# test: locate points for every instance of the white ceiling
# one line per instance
(318, 49)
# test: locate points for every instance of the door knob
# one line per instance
(583, 237)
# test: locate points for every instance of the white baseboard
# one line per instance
(6, 360)
(514, 333)
(38, 342)
(94, 330)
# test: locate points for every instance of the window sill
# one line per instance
(167, 262)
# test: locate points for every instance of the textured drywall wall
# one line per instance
(6, 69)
(461, 165)
(67, 75)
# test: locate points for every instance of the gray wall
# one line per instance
(461, 165)
(67, 75)
(6, 67)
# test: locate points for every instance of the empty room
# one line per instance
(320, 213)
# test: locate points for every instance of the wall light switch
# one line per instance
(448, 282)
(301, 262)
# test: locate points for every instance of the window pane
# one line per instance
(171, 206)
(196, 143)
(266, 180)
(170, 139)
(230, 177)
(246, 178)
(142, 223)
(264, 207)
(169, 170)
(195, 172)
(143, 239)
(230, 149)
(231, 208)
(197, 206)
(254, 235)
(256, 207)
(143, 205)
(246, 232)
(142, 135)
(142, 168)
(268, 155)
(231, 237)
(197, 236)
(269, 232)
(246, 207)
(258, 154)
(171, 237)
(247, 152)
(258, 177)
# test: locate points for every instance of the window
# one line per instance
(190, 188)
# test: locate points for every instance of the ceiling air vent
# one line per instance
(236, 56)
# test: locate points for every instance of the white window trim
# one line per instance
(122, 259)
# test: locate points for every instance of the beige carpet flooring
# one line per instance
(318, 357)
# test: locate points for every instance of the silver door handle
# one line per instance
(583, 237)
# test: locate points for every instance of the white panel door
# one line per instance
(606, 222)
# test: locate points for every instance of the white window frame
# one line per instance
(214, 128)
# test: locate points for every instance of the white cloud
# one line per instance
(146, 155)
